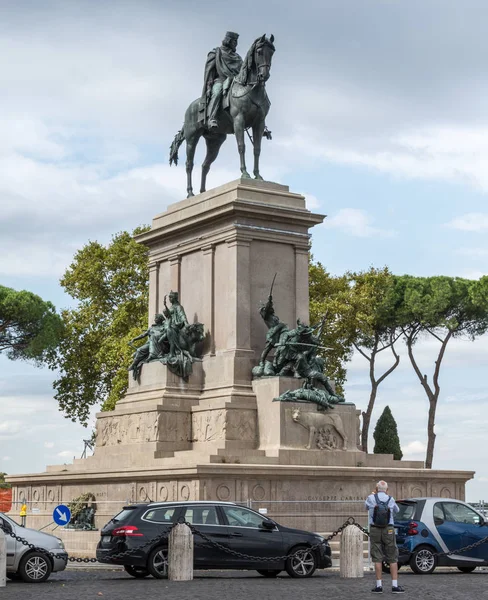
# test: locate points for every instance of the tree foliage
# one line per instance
(441, 308)
(386, 435)
(110, 284)
(328, 296)
(30, 328)
(3, 484)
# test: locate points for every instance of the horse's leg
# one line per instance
(257, 134)
(191, 146)
(214, 143)
(241, 146)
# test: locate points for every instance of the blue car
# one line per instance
(425, 526)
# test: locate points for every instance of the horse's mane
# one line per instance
(244, 73)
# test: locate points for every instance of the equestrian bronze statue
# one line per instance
(233, 100)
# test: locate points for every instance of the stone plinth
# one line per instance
(298, 425)
(220, 251)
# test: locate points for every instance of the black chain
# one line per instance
(350, 521)
(67, 558)
(463, 549)
(164, 536)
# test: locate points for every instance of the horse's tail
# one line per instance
(173, 151)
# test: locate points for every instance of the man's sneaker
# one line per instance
(378, 589)
(397, 590)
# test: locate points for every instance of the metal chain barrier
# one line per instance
(118, 555)
(350, 521)
(164, 536)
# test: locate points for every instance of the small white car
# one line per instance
(32, 565)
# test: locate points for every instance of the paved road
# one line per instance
(243, 585)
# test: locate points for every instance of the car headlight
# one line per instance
(60, 543)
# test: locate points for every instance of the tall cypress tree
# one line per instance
(386, 436)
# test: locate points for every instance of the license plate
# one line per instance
(396, 531)
(106, 538)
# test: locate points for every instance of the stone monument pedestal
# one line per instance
(220, 435)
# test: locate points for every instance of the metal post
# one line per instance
(3, 559)
(180, 553)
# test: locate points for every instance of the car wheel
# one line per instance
(466, 569)
(303, 562)
(35, 568)
(269, 573)
(423, 560)
(157, 563)
(137, 572)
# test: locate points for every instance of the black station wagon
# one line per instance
(232, 526)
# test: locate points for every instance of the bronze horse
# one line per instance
(248, 106)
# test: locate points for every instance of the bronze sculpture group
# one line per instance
(233, 100)
(171, 340)
(295, 355)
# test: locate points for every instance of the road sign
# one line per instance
(61, 515)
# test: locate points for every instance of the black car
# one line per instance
(138, 526)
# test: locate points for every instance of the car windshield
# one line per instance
(407, 510)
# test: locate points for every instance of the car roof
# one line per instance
(180, 503)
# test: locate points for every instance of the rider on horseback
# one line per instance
(222, 65)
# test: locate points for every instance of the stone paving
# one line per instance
(79, 584)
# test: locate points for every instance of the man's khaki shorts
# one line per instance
(383, 544)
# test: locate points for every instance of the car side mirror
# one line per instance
(268, 525)
(438, 521)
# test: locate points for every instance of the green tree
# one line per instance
(110, 284)
(328, 296)
(30, 329)
(440, 308)
(3, 484)
(386, 435)
(371, 317)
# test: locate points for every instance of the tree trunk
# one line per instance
(367, 416)
(429, 456)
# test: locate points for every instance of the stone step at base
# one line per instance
(247, 460)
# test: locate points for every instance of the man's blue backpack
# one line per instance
(381, 512)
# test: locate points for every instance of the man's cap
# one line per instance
(232, 35)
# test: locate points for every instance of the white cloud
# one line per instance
(48, 444)
(10, 428)
(415, 447)
(470, 222)
(6, 458)
(355, 222)
(66, 454)
(312, 202)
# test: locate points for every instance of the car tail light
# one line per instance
(127, 530)
(412, 528)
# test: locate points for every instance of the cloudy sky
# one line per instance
(379, 116)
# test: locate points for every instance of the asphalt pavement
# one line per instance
(80, 584)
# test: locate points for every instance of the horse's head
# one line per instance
(263, 54)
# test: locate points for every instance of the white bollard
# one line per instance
(180, 553)
(3, 559)
(351, 557)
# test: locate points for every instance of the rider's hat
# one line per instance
(232, 35)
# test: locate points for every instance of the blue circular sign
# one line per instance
(61, 515)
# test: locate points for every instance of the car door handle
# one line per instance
(235, 534)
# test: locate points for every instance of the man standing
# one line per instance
(222, 65)
(381, 508)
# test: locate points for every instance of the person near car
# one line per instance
(23, 514)
(382, 538)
